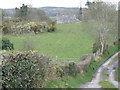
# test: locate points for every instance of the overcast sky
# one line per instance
(43, 3)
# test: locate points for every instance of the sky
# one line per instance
(42, 3)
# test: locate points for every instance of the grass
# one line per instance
(104, 74)
(69, 41)
(117, 74)
(67, 82)
(76, 81)
(106, 84)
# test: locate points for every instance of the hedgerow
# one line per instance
(24, 70)
(20, 27)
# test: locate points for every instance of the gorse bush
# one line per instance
(20, 27)
(24, 70)
(35, 28)
(51, 27)
(6, 44)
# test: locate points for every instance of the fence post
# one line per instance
(56, 59)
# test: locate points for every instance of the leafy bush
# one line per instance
(51, 28)
(67, 69)
(5, 29)
(24, 70)
(72, 68)
(6, 44)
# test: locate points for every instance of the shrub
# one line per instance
(5, 29)
(67, 69)
(53, 23)
(6, 44)
(24, 70)
(72, 68)
(35, 28)
(51, 28)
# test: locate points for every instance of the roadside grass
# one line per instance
(106, 84)
(117, 75)
(76, 81)
(104, 74)
(69, 41)
(69, 81)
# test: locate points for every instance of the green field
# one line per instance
(69, 41)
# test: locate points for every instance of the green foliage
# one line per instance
(22, 11)
(117, 74)
(35, 28)
(53, 23)
(6, 44)
(72, 68)
(33, 14)
(67, 69)
(5, 29)
(51, 27)
(24, 70)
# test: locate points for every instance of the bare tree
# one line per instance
(105, 15)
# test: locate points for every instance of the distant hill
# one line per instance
(53, 11)
(50, 11)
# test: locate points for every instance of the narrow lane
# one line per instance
(94, 83)
(111, 78)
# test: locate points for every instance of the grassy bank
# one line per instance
(117, 75)
(76, 81)
(106, 84)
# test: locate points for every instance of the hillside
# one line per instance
(53, 11)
